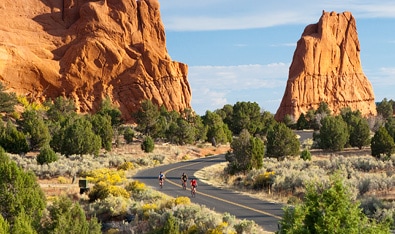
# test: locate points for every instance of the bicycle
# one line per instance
(184, 185)
(161, 183)
(193, 191)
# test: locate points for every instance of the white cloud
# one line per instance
(383, 82)
(385, 76)
(215, 86)
(227, 15)
(291, 44)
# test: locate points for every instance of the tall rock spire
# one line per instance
(326, 67)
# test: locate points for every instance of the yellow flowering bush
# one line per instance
(221, 228)
(148, 208)
(264, 180)
(63, 180)
(126, 166)
(185, 157)
(107, 175)
(136, 187)
(107, 182)
(182, 201)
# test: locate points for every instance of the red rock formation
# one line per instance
(88, 50)
(326, 67)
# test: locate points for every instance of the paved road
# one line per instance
(265, 214)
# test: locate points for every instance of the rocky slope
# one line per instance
(326, 67)
(88, 50)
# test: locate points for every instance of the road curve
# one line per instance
(264, 213)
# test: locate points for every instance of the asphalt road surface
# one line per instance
(264, 213)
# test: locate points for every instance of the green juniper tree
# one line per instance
(34, 126)
(282, 142)
(147, 118)
(20, 195)
(382, 143)
(46, 155)
(101, 126)
(7, 100)
(216, 128)
(76, 136)
(12, 140)
(65, 216)
(247, 153)
(333, 133)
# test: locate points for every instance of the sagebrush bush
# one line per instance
(246, 226)
(111, 205)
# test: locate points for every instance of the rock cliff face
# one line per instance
(89, 50)
(326, 67)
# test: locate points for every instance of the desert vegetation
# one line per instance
(51, 142)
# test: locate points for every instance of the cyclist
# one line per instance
(161, 179)
(193, 187)
(184, 179)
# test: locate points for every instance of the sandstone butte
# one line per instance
(326, 67)
(89, 50)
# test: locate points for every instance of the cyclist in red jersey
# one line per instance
(193, 187)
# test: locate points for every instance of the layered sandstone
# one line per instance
(326, 67)
(89, 50)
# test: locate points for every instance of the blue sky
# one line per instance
(242, 50)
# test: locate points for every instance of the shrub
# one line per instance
(46, 156)
(171, 225)
(76, 137)
(382, 143)
(4, 225)
(106, 175)
(34, 127)
(328, 210)
(146, 208)
(111, 205)
(305, 155)
(245, 226)
(20, 192)
(102, 190)
(12, 140)
(264, 180)
(106, 182)
(65, 216)
(101, 126)
(282, 142)
(247, 153)
(63, 180)
(182, 201)
(128, 135)
(126, 166)
(136, 187)
(148, 145)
